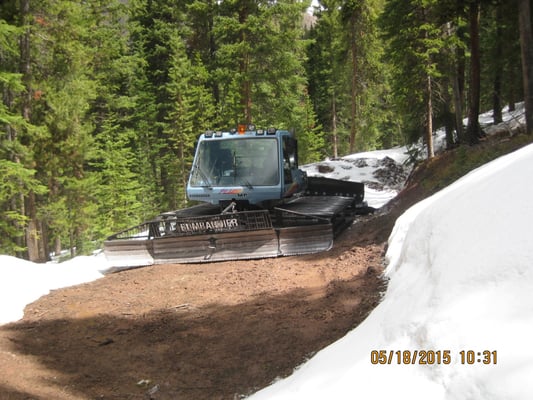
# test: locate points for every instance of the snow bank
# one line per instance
(461, 277)
(23, 282)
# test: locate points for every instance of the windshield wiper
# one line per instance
(243, 180)
(246, 183)
(204, 176)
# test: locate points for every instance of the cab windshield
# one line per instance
(242, 161)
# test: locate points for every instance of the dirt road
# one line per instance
(198, 331)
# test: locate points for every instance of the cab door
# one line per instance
(293, 178)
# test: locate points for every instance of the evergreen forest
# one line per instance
(102, 100)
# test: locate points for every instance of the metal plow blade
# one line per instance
(309, 239)
(128, 253)
(216, 247)
(174, 239)
(185, 237)
(266, 243)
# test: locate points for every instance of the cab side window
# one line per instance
(289, 158)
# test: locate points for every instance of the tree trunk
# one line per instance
(246, 89)
(17, 201)
(458, 75)
(57, 246)
(526, 44)
(498, 60)
(244, 66)
(473, 130)
(334, 125)
(34, 233)
(458, 100)
(247, 100)
(353, 83)
(25, 61)
(184, 170)
(429, 119)
(429, 107)
(449, 121)
(459, 78)
(514, 89)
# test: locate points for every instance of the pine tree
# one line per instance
(62, 91)
(18, 178)
(200, 41)
(115, 166)
(415, 39)
(260, 61)
(155, 25)
(364, 69)
(191, 113)
(347, 79)
(325, 66)
(17, 226)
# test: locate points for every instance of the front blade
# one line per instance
(216, 247)
(308, 239)
(128, 253)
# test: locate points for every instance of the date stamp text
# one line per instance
(433, 357)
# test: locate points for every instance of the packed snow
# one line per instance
(23, 282)
(460, 269)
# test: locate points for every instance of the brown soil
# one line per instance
(198, 331)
